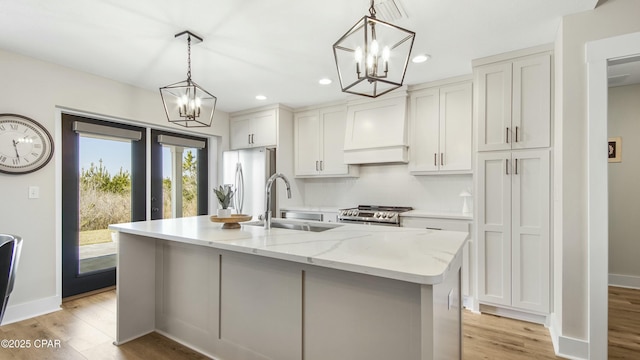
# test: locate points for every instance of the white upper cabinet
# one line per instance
(531, 121)
(514, 103)
(441, 123)
(319, 143)
(376, 130)
(306, 142)
(513, 217)
(254, 129)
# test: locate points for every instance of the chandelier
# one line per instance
(187, 103)
(372, 57)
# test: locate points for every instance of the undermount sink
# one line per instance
(313, 227)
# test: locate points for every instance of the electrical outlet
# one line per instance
(34, 192)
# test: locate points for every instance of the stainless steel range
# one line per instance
(373, 215)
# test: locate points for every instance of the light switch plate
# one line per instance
(34, 192)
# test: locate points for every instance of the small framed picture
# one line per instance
(615, 149)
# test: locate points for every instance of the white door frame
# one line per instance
(598, 53)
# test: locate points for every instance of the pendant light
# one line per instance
(372, 56)
(187, 103)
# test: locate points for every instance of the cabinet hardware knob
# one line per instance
(249, 139)
(321, 166)
(435, 159)
(506, 168)
(441, 159)
(507, 135)
(316, 165)
(516, 133)
(516, 172)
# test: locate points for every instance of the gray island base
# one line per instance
(354, 292)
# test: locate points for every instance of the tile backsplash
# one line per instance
(389, 185)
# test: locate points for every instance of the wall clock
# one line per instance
(25, 145)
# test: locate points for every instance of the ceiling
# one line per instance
(625, 71)
(276, 48)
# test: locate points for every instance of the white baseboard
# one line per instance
(19, 312)
(514, 314)
(565, 346)
(470, 303)
(626, 281)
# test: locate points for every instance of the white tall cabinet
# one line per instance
(513, 182)
(441, 122)
(513, 229)
(319, 143)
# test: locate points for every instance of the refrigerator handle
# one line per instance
(239, 188)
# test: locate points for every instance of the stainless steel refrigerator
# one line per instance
(248, 171)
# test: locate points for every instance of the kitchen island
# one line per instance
(350, 292)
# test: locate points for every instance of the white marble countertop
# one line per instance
(437, 214)
(413, 255)
(310, 209)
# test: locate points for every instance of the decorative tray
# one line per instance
(231, 222)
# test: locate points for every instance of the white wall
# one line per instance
(613, 17)
(389, 185)
(624, 190)
(38, 89)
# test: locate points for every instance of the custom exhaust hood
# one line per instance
(377, 130)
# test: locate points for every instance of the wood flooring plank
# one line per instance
(156, 346)
(94, 312)
(624, 323)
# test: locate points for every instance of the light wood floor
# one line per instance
(86, 329)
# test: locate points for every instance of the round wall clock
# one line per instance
(25, 145)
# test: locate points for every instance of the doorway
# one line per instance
(103, 182)
(598, 55)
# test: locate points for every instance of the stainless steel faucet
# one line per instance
(267, 197)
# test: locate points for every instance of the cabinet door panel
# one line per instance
(530, 237)
(532, 102)
(239, 129)
(425, 115)
(494, 228)
(264, 129)
(494, 107)
(332, 129)
(496, 287)
(307, 144)
(378, 304)
(247, 321)
(455, 127)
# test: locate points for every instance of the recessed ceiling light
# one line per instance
(421, 58)
(261, 97)
(324, 81)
